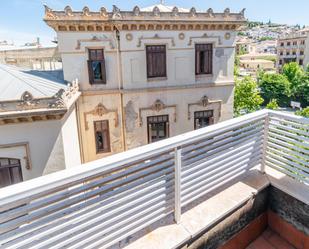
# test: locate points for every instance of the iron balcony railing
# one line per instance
(100, 203)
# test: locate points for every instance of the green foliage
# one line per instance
(304, 112)
(299, 82)
(241, 33)
(247, 97)
(266, 38)
(242, 50)
(236, 66)
(272, 105)
(275, 86)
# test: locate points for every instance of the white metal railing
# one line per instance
(100, 203)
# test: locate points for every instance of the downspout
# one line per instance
(120, 87)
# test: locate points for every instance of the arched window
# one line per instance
(10, 172)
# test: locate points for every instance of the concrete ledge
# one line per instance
(288, 185)
(204, 215)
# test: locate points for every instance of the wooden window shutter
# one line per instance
(90, 72)
(197, 62)
(103, 68)
(211, 120)
(156, 61)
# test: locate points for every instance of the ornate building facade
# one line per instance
(146, 74)
(293, 47)
(38, 125)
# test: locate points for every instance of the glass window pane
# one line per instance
(97, 70)
(15, 175)
(5, 178)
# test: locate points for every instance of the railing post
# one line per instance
(178, 163)
(265, 138)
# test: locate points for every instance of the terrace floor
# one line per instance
(270, 240)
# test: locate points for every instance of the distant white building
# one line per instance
(293, 47)
(31, 57)
(38, 126)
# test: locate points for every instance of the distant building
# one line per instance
(268, 46)
(244, 46)
(38, 126)
(146, 74)
(31, 57)
(251, 63)
(293, 47)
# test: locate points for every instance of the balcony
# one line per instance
(166, 194)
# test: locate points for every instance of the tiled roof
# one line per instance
(15, 81)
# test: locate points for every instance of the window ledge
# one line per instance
(156, 79)
(203, 76)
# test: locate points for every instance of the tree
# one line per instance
(304, 112)
(272, 105)
(275, 86)
(299, 82)
(247, 97)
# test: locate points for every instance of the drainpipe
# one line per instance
(120, 87)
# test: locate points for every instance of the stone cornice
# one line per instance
(86, 20)
(28, 108)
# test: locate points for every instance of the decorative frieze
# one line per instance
(204, 102)
(155, 37)
(95, 39)
(157, 106)
(29, 109)
(136, 19)
(204, 36)
(100, 110)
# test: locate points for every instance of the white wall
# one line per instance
(53, 145)
(180, 57)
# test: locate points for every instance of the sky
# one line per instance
(21, 20)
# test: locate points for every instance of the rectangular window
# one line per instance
(301, 62)
(301, 52)
(10, 172)
(101, 133)
(203, 58)
(158, 128)
(289, 43)
(282, 44)
(96, 66)
(156, 61)
(203, 119)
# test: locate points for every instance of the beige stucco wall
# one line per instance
(136, 135)
(53, 145)
(180, 87)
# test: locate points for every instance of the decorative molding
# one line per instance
(116, 13)
(86, 20)
(204, 36)
(136, 11)
(155, 37)
(95, 39)
(227, 36)
(100, 110)
(181, 36)
(129, 37)
(27, 102)
(204, 101)
(27, 158)
(157, 106)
